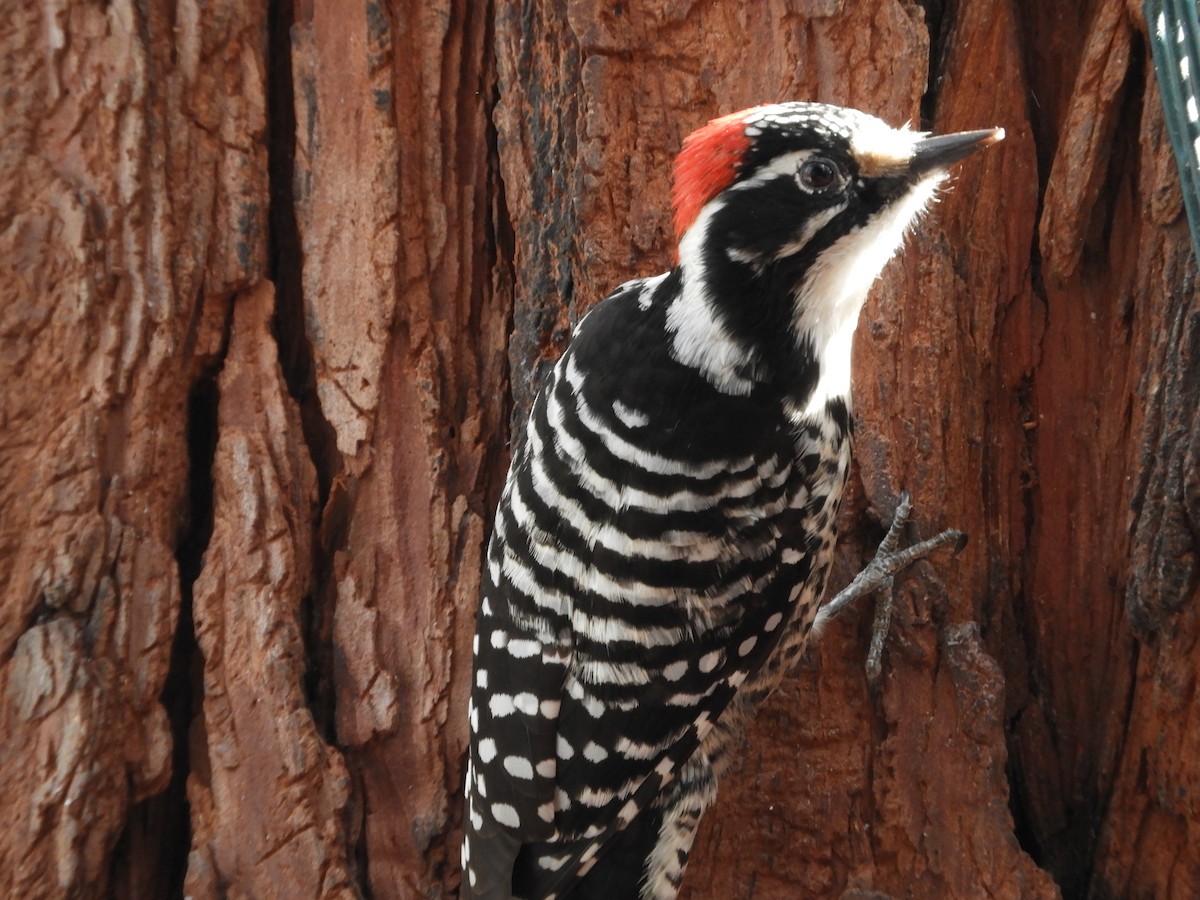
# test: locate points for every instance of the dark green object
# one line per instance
(1175, 42)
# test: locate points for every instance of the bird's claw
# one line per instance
(879, 575)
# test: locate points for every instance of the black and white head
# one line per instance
(785, 215)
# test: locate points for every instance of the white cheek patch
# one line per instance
(835, 288)
(698, 338)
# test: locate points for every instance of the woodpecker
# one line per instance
(663, 538)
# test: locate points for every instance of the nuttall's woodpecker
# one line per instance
(664, 535)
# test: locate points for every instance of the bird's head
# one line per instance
(833, 168)
(785, 214)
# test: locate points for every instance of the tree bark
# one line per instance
(278, 282)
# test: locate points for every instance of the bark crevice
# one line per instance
(151, 856)
(297, 359)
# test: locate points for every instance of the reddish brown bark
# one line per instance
(269, 278)
(256, 753)
(133, 207)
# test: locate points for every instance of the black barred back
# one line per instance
(655, 540)
(667, 524)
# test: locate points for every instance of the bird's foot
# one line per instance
(880, 575)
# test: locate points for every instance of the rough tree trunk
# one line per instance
(275, 279)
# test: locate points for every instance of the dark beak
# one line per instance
(941, 151)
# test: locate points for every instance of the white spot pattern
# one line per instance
(557, 599)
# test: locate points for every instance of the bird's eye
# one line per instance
(819, 174)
